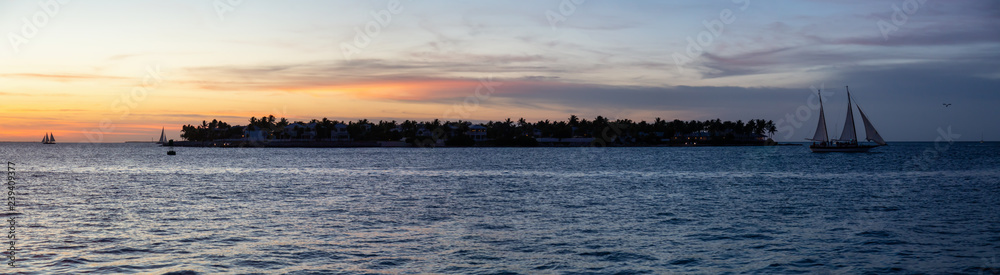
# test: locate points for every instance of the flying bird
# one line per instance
(946, 104)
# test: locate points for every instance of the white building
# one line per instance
(253, 134)
(301, 131)
(423, 132)
(339, 133)
(477, 132)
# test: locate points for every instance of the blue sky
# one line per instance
(234, 59)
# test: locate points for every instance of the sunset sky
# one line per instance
(66, 66)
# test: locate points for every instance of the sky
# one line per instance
(113, 71)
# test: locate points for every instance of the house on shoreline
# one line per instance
(477, 133)
(339, 133)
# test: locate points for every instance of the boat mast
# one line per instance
(849, 133)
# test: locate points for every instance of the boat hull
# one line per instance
(841, 149)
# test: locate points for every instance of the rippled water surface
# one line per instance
(130, 208)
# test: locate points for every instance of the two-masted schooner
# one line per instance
(848, 141)
(49, 139)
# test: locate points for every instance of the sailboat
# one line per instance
(163, 137)
(48, 139)
(848, 141)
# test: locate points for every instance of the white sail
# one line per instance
(163, 136)
(870, 133)
(849, 134)
(821, 127)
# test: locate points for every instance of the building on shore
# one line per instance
(340, 133)
(477, 133)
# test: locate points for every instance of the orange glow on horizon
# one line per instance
(75, 111)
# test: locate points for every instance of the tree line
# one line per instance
(500, 132)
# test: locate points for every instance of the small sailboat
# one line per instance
(48, 139)
(848, 141)
(163, 137)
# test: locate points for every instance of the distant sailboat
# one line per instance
(848, 141)
(163, 137)
(48, 139)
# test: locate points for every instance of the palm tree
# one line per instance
(771, 128)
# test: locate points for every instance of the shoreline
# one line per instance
(399, 144)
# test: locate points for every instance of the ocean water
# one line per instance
(130, 208)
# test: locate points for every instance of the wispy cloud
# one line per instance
(60, 77)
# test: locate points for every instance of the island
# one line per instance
(270, 131)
